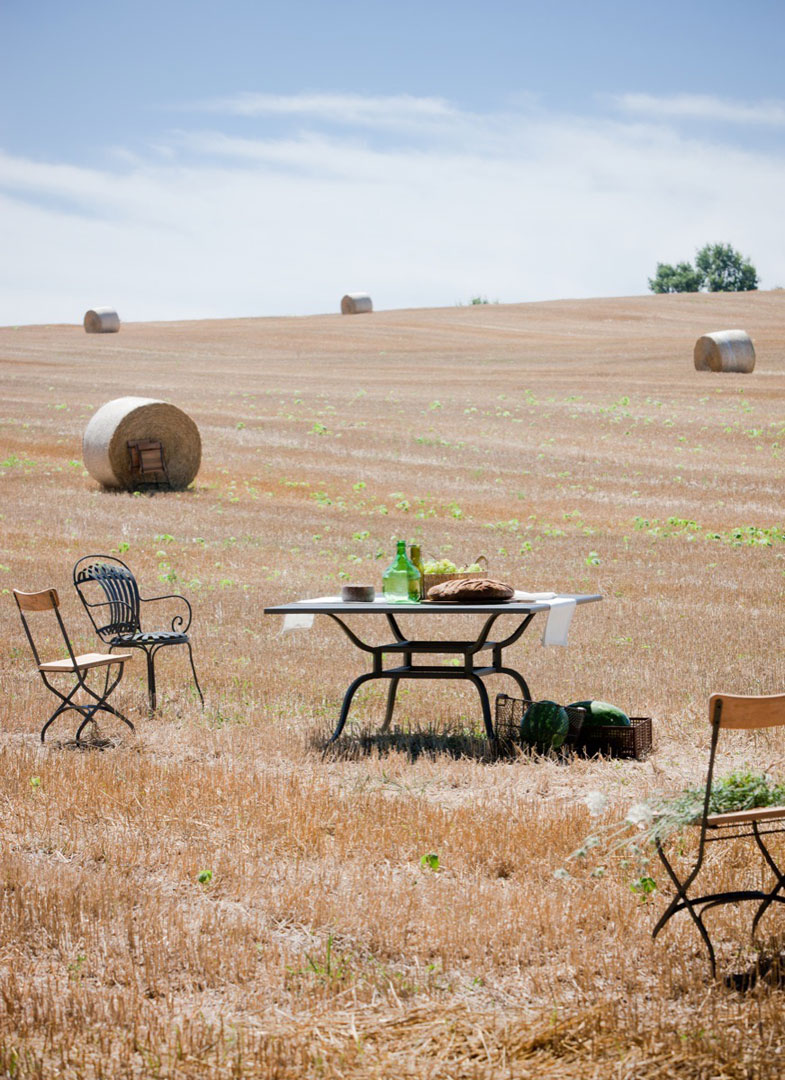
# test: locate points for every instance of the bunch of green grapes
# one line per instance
(445, 566)
(440, 566)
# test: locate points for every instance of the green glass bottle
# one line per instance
(415, 558)
(401, 579)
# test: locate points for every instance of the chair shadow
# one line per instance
(92, 740)
(769, 970)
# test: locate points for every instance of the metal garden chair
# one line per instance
(116, 613)
(73, 665)
(727, 711)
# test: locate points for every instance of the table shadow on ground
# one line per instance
(415, 744)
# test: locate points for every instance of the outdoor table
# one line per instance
(403, 648)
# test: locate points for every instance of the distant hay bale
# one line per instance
(106, 438)
(355, 303)
(725, 350)
(101, 320)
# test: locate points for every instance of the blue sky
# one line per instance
(186, 160)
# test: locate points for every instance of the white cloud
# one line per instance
(703, 107)
(398, 110)
(512, 206)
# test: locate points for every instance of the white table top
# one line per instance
(333, 605)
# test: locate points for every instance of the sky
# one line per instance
(182, 160)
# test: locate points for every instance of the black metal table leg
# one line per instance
(347, 702)
(484, 703)
(388, 713)
(519, 679)
(407, 649)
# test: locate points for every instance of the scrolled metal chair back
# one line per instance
(120, 589)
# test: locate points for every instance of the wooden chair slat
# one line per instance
(85, 661)
(749, 711)
(37, 601)
(744, 817)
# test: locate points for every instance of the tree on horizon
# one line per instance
(718, 268)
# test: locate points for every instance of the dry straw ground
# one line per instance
(576, 446)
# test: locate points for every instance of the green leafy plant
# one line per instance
(75, 968)
(646, 824)
(332, 968)
(430, 861)
(738, 536)
(644, 886)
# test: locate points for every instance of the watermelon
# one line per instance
(544, 726)
(601, 714)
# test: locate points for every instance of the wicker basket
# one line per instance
(634, 741)
(430, 580)
(509, 714)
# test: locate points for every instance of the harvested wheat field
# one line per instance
(215, 898)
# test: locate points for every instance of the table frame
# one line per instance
(407, 648)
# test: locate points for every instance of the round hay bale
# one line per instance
(725, 350)
(101, 320)
(355, 303)
(125, 419)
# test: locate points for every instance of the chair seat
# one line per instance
(742, 817)
(156, 637)
(85, 661)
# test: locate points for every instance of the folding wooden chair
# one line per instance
(727, 711)
(75, 666)
(147, 461)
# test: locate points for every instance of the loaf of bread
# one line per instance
(471, 591)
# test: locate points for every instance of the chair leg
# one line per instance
(102, 706)
(150, 656)
(60, 709)
(151, 679)
(100, 703)
(193, 669)
(682, 902)
(67, 703)
(777, 873)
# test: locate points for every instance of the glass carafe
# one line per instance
(401, 579)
